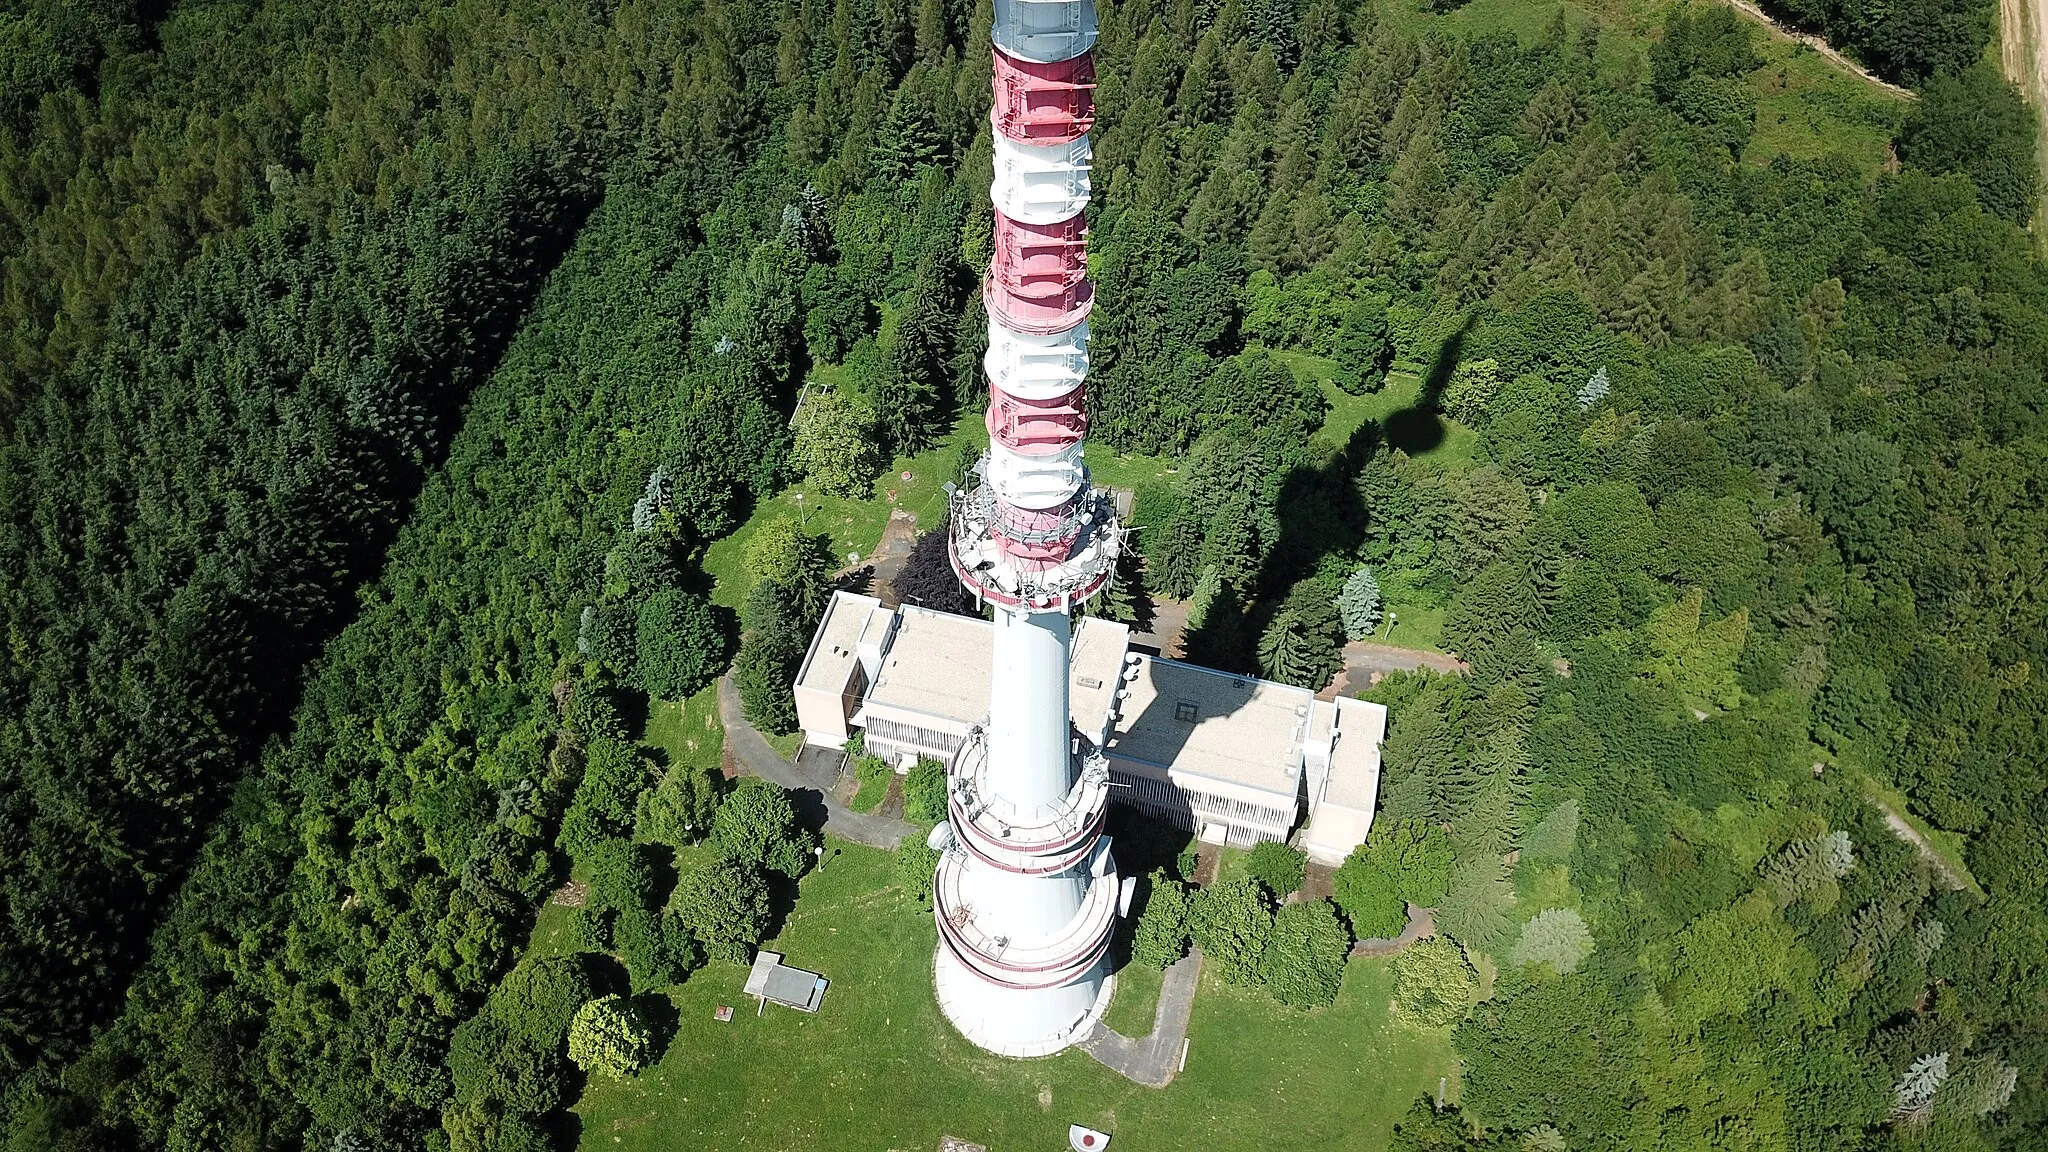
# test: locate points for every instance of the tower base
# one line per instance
(1020, 1023)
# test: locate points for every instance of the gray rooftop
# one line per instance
(1226, 727)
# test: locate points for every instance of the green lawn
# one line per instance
(687, 731)
(870, 794)
(852, 525)
(879, 1068)
(1136, 1002)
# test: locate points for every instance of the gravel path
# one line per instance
(813, 794)
(1154, 1060)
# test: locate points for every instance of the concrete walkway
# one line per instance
(1421, 925)
(1153, 1060)
(812, 795)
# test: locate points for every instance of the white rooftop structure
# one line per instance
(1233, 758)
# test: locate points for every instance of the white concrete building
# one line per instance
(1234, 759)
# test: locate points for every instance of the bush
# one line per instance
(608, 1038)
(681, 647)
(782, 551)
(657, 947)
(927, 580)
(679, 810)
(621, 875)
(539, 997)
(1305, 955)
(1231, 922)
(916, 861)
(1161, 936)
(757, 825)
(487, 1060)
(1370, 896)
(835, 447)
(614, 775)
(1280, 868)
(725, 905)
(924, 793)
(1557, 937)
(1433, 983)
(590, 929)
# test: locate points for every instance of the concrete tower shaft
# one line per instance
(1027, 894)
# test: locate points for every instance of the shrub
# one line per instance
(1231, 922)
(614, 775)
(608, 1038)
(1370, 896)
(916, 861)
(782, 551)
(1557, 937)
(487, 1060)
(757, 825)
(1277, 866)
(540, 997)
(657, 948)
(924, 793)
(680, 645)
(679, 810)
(621, 875)
(835, 447)
(1433, 983)
(725, 905)
(1305, 955)
(1161, 936)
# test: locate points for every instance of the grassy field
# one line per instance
(687, 731)
(878, 1068)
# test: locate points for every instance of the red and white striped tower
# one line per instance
(1026, 895)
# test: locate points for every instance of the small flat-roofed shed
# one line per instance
(796, 988)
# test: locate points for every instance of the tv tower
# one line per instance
(1026, 894)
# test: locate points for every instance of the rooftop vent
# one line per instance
(1184, 710)
(1090, 682)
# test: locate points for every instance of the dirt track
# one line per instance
(2021, 24)
(1749, 9)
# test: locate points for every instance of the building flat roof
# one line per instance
(835, 647)
(1355, 761)
(1196, 720)
(940, 665)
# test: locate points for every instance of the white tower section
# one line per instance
(1026, 895)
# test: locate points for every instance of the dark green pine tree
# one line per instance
(1426, 779)
(1363, 349)
(1304, 644)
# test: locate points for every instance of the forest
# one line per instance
(374, 380)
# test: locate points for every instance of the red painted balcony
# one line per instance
(1037, 427)
(1043, 103)
(1038, 275)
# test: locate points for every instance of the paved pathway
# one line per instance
(1421, 924)
(1153, 1060)
(813, 793)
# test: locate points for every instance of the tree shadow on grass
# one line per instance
(662, 1020)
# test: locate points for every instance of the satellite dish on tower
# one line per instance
(1086, 1139)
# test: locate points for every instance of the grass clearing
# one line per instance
(879, 1067)
(687, 731)
(1136, 1002)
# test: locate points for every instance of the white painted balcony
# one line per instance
(1042, 185)
(1036, 367)
(1044, 31)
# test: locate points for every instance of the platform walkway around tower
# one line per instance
(1153, 1060)
(813, 790)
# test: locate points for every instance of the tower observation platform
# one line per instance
(1026, 894)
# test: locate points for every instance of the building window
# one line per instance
(1184, 710)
